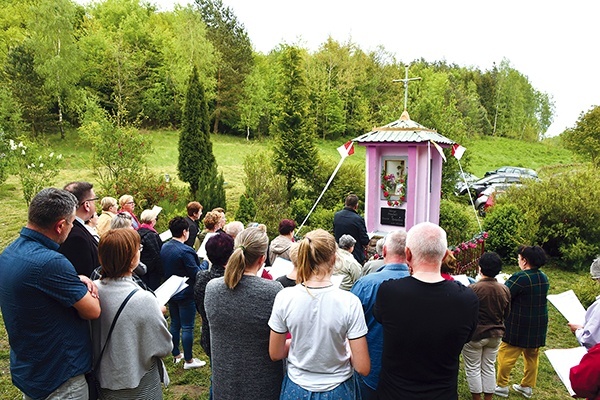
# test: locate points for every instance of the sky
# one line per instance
(552, 43)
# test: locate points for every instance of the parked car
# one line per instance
(479, 186)
(487, 199)
(462, 177)
(513, 170)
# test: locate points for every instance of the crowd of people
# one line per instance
(331, 327)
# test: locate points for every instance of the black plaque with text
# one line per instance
(393, 216)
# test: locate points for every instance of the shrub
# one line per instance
(300, 209)
(349, 179)
(586, 290)
(268, 191)
(35, 165)
(504, 225)
(246, 211)
(118, 152)
(149, 190)
(563, 215)
(458, 221)
(321, 218)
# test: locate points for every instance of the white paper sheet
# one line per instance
(569, 306)
(563, 360)
(170, 287)
(337, 280)
(166, 235)
(280, 267)
(462, 279)
(157, 209)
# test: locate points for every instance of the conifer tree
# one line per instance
(295, 151)
(246, 211)
(197, 165)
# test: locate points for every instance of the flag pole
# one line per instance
(323, 192)
(469, 193)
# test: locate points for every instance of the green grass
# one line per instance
(485, 154)
(489, 153)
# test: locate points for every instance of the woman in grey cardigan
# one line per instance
(130, 367)
(238, 307)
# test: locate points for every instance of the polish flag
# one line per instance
(347, 149)
(458, 151)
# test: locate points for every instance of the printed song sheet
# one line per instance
(280, 267)
(563, 360)
(569, 306)
(170, 287)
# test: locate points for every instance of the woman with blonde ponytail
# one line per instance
(238, 307)
(322, 319)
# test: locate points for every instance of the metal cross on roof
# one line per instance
(405, 82)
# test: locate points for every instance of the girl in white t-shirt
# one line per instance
(327, 326)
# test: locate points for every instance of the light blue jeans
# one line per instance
(183, 314)
(347, 390)
(75, 388)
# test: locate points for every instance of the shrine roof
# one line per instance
(403, 130)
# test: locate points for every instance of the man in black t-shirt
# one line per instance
(426, 321)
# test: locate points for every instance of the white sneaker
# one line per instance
(178, 359)
(194, 364)
(524, 390)
(501, 391)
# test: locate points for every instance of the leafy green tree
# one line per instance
(235, 60)
(253, 105)
(295, 151)
(26, 86)
(195, 147)
(121, 56)
(180, 36)
(53, 39)
(584, 138)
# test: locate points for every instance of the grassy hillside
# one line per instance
(484, 154)
(489, 153)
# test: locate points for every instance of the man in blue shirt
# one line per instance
(365, 289)
(45, 305)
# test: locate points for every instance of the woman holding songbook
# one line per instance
(588, 334)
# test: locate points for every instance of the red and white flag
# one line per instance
(347, 149)
(458, 151)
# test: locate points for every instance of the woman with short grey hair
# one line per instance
(346, 264)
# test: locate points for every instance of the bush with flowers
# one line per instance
(393, 186)
(35, 166)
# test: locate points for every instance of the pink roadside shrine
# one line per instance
(403, 175)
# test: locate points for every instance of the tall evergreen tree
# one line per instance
(295, 151)
(235, 61)
(197, 165)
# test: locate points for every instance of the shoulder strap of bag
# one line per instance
(112, 326)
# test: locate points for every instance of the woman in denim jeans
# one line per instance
(181, 260)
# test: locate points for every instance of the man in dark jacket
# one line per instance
(80, 248)
(194, 210)
(348, 222)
